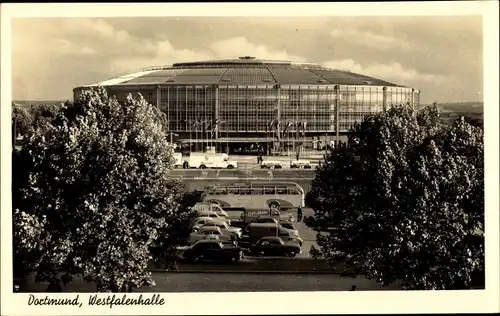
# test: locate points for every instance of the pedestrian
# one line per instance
(299, 214)
(297, 156)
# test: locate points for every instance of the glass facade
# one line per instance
(188, 108)
(247, 109)
(251, 109)
(276, 103)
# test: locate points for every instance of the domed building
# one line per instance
(244, 103)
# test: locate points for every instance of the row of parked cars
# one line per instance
(214, 239)
(275, 164)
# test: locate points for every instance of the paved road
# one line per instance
(243, 173)
(200, 184)
(235, 282)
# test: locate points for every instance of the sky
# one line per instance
(442, 56)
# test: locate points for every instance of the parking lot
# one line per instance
(307, 234)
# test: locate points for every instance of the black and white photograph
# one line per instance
(199, 151)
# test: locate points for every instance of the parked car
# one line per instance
(213, 250)
(224, 227)
(214, 214)
(206, 207)
(204, 220)
(271, 164)
(199, 221)
(275, 246)
(303, 164)
(251, 215)
(211, 232)
(256, 231)
(288, 225)
(266, 219)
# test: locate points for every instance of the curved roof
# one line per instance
(245, 71)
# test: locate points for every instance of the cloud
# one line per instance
(372, 40)
(165, 53)
(240, 46)
(442, 56)
(394, 72)
(65, 47)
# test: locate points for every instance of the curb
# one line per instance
(242, 178)
(243, 272)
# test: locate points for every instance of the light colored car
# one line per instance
(271, 164)
(288, 225)
(204, 208)
(206, 220)
(224, 227)
(304, 164)
(214, 215)
(199, 221)
(208, 233)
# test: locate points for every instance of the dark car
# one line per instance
(275, 246)
(213, 250)
(265, 219)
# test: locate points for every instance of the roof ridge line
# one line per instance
(272, 75)
(317, 74)
(223, 74)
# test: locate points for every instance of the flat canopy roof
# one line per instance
(243, 140)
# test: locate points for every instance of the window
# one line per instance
(210, 246)
(276, 242)
(201, 246)
(269, 191)
(265, 243)
(256, 191)
(287, 225)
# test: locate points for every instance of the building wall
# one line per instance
(250, 109)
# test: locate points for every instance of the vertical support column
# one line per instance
(278, 126)
(158, 96)
(177, 108)
(412, 98)
(337, 114)
(384, 98)
(297, 120)
(168, 108)
(216, 112)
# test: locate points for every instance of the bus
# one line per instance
(256, 195)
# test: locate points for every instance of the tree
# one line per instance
(44, 113)
(22, 120)
(404, 200)
(165, 247)
(26, 118)
(95, 181)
